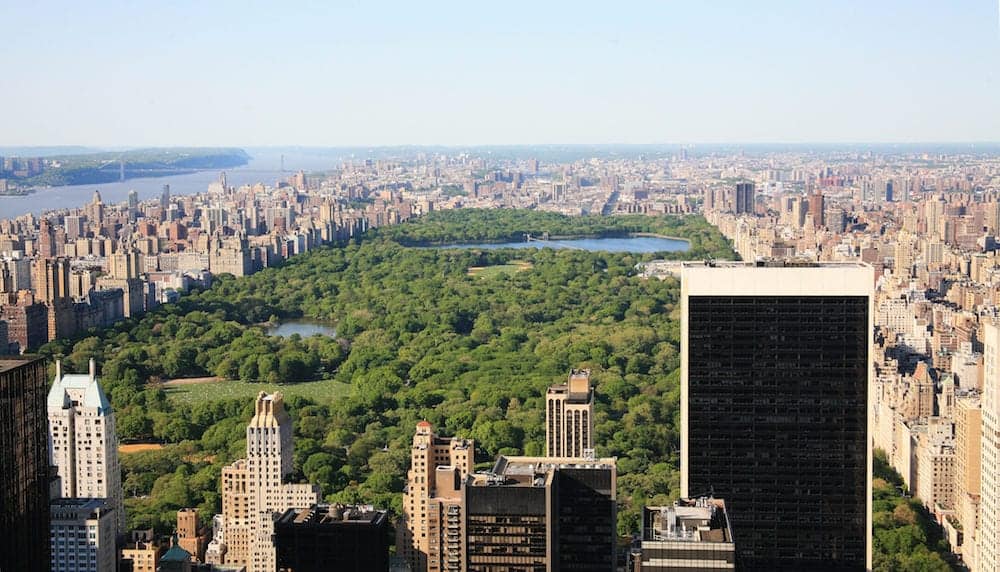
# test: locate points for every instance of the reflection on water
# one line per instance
(303, 327)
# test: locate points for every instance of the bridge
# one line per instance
(545, 238)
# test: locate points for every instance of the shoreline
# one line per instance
(559, 237)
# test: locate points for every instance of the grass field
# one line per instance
(138, 448)
(318, 391)
(487, 271)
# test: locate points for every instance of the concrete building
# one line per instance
(24, 466)
(988, 537)
(693, 534)
(569, 417)
(333, 537)
(775, 365)
(83, 442)
(427, 501)
(968, 470)
(190, 536)
(254, 491)
(82, 535)
(142, 556)
(546, 514)
(936, 472)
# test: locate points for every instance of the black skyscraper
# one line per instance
(24, 466)
(774, 379)
(745, 198)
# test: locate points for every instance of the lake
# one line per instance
(303, 327)
(635, 244)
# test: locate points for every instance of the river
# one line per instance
(264, 167)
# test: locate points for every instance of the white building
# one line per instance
(83, 444)
(82, 535)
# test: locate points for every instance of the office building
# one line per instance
(968, 470)
(544, 514)
(569, 417)
(82, 535)
(24, 466)
(254, 491)
(83, 441)
(333, 537)
(693, 534)
(745, 198)
(428, 501)
(775, 362)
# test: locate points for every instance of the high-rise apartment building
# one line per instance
(988, 537)
(253, 489)
(569, 417)
(82, 535)
(429, 503)
(775, 365)
(968, 470)
(24, 466)
(83, 443)
(333, 537)
(190, 536)
(541, 514)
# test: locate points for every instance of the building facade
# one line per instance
(427, 503)
(82, 535)
(569, 417)
(83, 441)
(24, 466)
(254, 491)
(775, 365)
(988, 537)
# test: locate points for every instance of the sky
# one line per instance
(367, 73)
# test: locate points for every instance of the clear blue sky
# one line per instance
(211, 72)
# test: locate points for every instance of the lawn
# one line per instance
(318, 391)
(488, 271)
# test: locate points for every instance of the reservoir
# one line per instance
(634, 244)
(304, 327)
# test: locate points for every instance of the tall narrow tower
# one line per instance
(82, 441)
(989, 509)
(775, 365)
(569, 417)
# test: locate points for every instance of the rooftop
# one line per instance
(688, 520)
(11, 363)
(333, 515)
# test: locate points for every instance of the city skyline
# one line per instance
(553, 73)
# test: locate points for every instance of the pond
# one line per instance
(303, 327)
(637, 244)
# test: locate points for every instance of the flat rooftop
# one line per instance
(773, 263)
(8, 363)
(333, 515)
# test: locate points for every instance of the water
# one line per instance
(264, 167)
(302, 327)
(635, 244)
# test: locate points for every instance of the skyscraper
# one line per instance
(253, 489)
(745, 200)
(541, 514)
(83, 442)
(333, 537)
(24, 466)
(775, 362)
(82, 535)
(569, 417)
(437, 467)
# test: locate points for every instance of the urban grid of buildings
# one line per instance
(864, 318)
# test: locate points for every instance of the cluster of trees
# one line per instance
(906, 537)
(419, 338)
